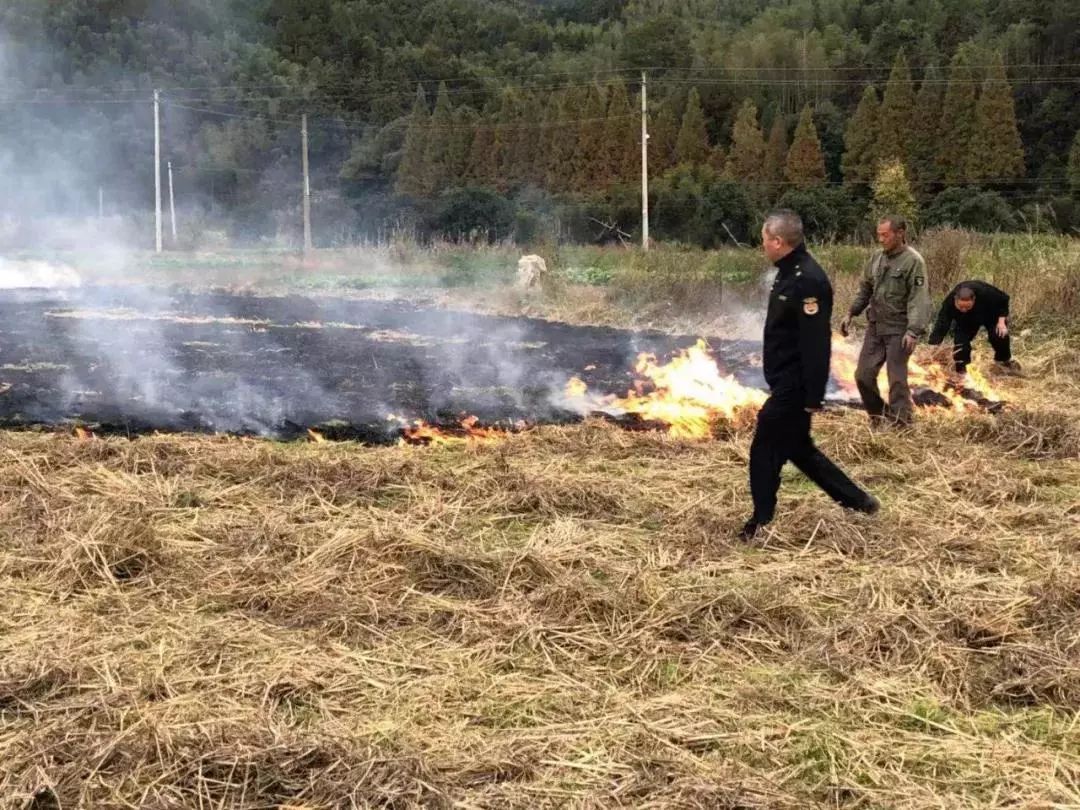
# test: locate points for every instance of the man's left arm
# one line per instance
(1002, 324)
(919, 307)
(815, 341)
(1003, 306)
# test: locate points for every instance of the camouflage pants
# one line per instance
(884, 350)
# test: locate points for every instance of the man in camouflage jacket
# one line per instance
(895, 295)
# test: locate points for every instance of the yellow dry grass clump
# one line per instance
(562, 618)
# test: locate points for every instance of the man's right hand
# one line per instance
(845, 326)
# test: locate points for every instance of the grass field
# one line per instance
(668, 288)
(560, 618)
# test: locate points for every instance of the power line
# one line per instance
(478, 127)
(709, 75)
(744, 80)
(283, 121)
(412, 82)
(402, 94)
(594, 72)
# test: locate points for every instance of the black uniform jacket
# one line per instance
(990, 304)
(798, 338)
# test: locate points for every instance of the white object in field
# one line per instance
(15, 274)
(531, 270)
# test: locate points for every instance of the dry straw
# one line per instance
(563, 618)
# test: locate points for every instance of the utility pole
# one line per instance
(157, 170)
(101, 202)
(172, 206)
(307, 186)
(644, 167)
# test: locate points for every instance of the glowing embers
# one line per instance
(688, 394)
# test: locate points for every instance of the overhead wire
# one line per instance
(716, 75)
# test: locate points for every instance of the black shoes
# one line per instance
(750, 529)
(870, 506)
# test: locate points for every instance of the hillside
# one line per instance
(526, 87)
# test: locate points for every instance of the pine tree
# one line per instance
(503, 149)
(860, 141)
(957, 121)
(411, 178)
(621, 138)
(747, 153)
(897, 113)
(692, 145)
(926, 132)
(1074, 164)
(805, 165)
(466, 120)
(561, 167)
(548, 139)
(717, 159)
(590, 153)
(524, 155)
(440, 144)
(775, 155)
(663, 132)
(480, 170)
(892, 192)
(996, 153)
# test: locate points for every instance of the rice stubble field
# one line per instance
(561, 617)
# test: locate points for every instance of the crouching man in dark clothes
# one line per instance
(968, 308)
(797, 347)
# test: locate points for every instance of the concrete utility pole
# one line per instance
(644, 167)
(307, 186)
(172, 206)
(157, 170)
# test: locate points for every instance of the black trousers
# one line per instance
(782, 435)
(962, 338)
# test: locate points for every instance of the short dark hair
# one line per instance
(785, 224)
(965, 294)
(896, 222)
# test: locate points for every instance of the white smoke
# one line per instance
(36, 274)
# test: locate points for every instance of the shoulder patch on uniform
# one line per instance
(919, 281)
(810, 306)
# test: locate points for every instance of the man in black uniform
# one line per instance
(797, 346)
(969, 307)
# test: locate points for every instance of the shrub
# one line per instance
(972, 208)
(827, 213)
(693, 205)
(473, 214)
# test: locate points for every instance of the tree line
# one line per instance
(950, 143)
(496, 116)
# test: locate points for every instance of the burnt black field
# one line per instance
(135, 360)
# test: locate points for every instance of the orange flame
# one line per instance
(315, 436)
(469, 429)
(687, 394)
(82, 434)
(924, 372)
